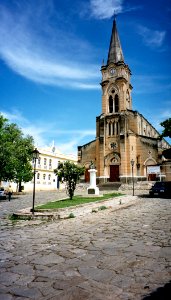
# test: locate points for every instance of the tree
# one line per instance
(167, 128)
(166, 133)
(70, 173)
(23, 167)
(15, 153)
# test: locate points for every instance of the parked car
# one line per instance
(2, 194)
(161, 188)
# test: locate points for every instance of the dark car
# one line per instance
(161, 188)
(2, 194)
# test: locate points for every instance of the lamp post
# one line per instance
(132, 164)
(35, 157)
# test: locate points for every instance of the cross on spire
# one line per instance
(114, 15)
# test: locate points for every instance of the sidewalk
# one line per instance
(79, 210)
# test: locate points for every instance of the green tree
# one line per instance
(15, 153)
(167, 128)
(23, 167)
(70, 173)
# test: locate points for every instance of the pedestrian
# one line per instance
(10, 191)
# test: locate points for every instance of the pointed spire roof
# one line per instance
(115, 53)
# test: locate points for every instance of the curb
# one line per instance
(78, 210)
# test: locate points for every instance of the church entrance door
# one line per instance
(114, 173)
(151, 177)
(87, 175)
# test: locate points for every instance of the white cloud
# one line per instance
(82, 133)
(77, 140)
(166, 113)
(38, 131)
(46, 61)
(160, 116)
(73, 138)
(129, 8)
(14, 116)
(152, 38)
(101, 9)
(146, 84)
(65, 140)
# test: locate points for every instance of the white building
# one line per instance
(45, 178)
(48, 160)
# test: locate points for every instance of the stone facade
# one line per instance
(122, 134)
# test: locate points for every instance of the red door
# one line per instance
(114, 173)
(87, 175)
(152, 177)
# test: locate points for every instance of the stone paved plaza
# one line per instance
(113, 254)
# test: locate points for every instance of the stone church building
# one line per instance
(123, 136)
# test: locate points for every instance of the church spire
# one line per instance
(115, 53)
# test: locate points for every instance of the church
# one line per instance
(125, 141)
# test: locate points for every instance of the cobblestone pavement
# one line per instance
(122, 255)
(23, 201)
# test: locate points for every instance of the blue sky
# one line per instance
(51, 53)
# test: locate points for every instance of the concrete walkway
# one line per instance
(113, 254)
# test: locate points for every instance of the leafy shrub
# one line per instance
(102, 207)
(71, 215)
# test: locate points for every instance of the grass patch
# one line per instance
(76, 201)
(15, 218)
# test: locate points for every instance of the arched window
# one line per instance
(116, 103)
(117, 128)
(128, 100)
(38, 175)
(113, 128)
(49, 177)
(110, 104)
(109, 128)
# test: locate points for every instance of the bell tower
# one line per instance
(116, 87)
(125, 141)
(112, 124)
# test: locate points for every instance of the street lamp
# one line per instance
(35, 157)
(132, 164)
